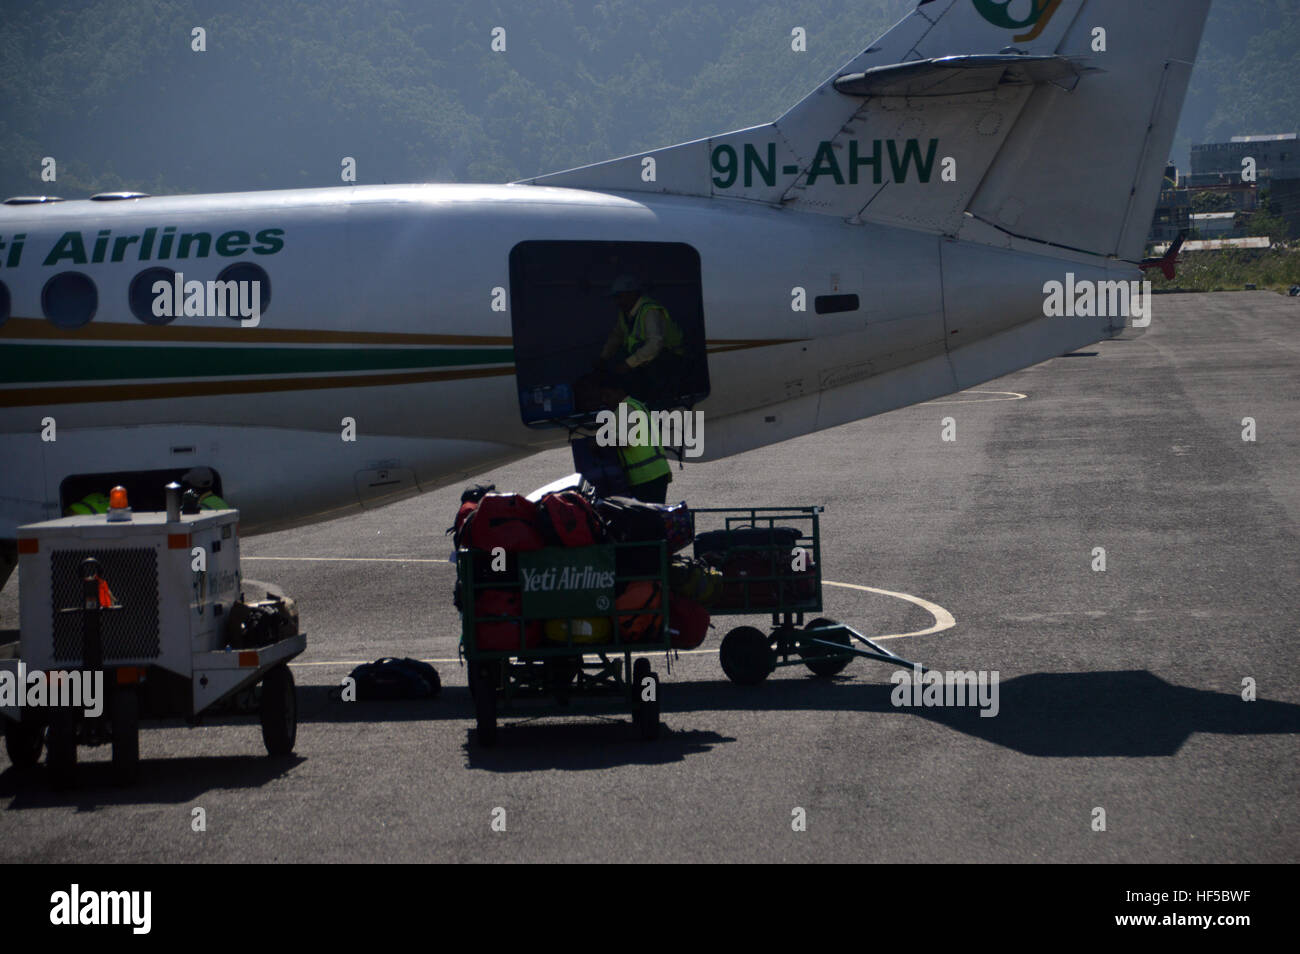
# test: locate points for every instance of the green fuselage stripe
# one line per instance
(36, 363)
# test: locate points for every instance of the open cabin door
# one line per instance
(563, 312)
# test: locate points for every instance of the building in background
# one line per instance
(1217, 225)
(1209, 201)
(1217, 169)
(1173, 210)
(1276, 157)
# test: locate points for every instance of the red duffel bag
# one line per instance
(777, 584)
(504, 635)
(508, 521)
(688, 622)
(570, 520)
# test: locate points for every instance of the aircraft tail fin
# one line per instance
(1047, 120)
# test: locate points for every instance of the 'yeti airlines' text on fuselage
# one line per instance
(940, 177)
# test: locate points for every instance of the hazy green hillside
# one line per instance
(412, 90)
(1247, 76)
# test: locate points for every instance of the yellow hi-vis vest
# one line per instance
(636, 327)
(91, 503)
(643, 462)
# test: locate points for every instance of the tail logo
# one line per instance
(999, 13)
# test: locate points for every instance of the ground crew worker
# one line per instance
(91, 503)
(644, 465)
(199, 480)
(644, 348)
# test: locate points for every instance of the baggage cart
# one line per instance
(150, 606)
(771, 560)
(511, 657)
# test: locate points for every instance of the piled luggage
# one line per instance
(507, 525)
(763, 568)
(499, 527)
(739, 569)
(545, 586)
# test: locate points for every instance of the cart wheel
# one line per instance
(645, 715)
(61, 748)
(24, 742)
(279, 711)
(825, 668)
(746, 656)
(485, 704)
(559, 675)
(126, 734)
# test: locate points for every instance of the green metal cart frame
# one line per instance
(498, 678)
(825, 646)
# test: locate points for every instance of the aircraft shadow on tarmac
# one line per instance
(1126, 714)
(165, 781)
(1120, 714)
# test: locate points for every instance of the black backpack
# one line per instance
(632, 521)
(390, 678)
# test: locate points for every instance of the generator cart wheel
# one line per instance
(61, 748)
(645, 715)
(279, 711)
(825, 668)
(746, 656)
(126, 734)
(485, 704)
(24, 741)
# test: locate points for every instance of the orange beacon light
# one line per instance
(117, 504)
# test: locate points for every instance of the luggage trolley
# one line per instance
(770, 559)
(531, 629)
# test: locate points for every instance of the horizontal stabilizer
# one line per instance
(953, 75)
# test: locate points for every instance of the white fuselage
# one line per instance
(382, 311)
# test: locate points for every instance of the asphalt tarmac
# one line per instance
(1119, 690)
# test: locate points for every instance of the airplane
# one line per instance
(1167, 261)
(885, 242)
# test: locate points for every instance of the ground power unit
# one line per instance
(151, 605)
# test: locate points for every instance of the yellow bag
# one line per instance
(585, 630)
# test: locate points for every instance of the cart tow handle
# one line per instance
(876, 651)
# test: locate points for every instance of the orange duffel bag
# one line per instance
(642, 597)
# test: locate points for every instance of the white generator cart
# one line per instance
(155, 607)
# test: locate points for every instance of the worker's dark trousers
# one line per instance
(652, 491)
(657, 384)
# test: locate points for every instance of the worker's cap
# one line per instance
(198, 477)
(625, 283)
